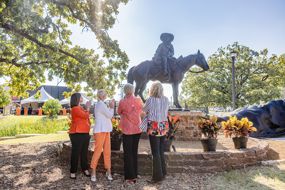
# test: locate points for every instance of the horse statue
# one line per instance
(149, 70)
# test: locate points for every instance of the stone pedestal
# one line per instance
(186, 160)
(188, 128)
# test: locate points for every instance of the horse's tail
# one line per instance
(130, 76)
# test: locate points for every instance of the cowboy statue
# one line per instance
(164, 51)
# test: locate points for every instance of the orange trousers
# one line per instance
(102, 142)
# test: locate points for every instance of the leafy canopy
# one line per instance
(258, 78)
(35, 38)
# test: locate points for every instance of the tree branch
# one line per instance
(14, 62)
(22, 33)
(265, 78)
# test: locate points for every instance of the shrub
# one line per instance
(238, 128)
(116, 132)
(51, 108)
(209, 126)
(173, 121)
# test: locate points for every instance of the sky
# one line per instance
(196, 24)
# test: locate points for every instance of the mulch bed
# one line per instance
(37, 166)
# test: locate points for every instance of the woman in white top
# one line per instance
(101, 130)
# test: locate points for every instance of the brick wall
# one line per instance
(188, 128)
(178, 162)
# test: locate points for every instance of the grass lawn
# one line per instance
(259, 178)
(14, 125)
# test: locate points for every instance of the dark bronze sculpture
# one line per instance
(150, 70)
(269, 119)
(164, 52)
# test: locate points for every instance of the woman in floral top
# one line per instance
(156, 108)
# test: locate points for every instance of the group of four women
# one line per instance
(131, 109)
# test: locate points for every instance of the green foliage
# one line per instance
(35, 38)
(5, 97)
(51, 108)
(14, 125)
(258, 78)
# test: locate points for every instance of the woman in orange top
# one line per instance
(79, 135)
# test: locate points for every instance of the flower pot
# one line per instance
(167, 145)
(209, 144)
(240, 142)
(116, 143)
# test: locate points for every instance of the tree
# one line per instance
(258, 78)
(34, 39)
(51, 108)
(5, 97)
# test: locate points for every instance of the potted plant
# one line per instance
(173, 121)
(209, 129)
(239, 129)
(116, 134)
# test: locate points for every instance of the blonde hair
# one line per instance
(128, 89)
(101, 93)
(156, 90)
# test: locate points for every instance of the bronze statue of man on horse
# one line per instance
(165, 68)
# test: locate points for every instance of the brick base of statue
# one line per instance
(188, 158)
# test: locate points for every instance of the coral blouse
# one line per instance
(130, 109)
(80, 122)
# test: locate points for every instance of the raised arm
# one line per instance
(108, 112)
(80, 112)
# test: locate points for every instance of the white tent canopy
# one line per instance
(67, 100)
(44, 96)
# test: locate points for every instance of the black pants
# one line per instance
(158, 161)
(130, 147)
(80, 143)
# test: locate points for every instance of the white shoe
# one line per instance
(109, 176)
(72, 175)
(93, 178)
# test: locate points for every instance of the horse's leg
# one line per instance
(175, 94)
(142, 90)
(137, 88)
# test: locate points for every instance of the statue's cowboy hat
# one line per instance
(166, 36)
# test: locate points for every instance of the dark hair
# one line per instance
(75, 99)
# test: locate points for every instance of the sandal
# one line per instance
(109, 176)
(93, 178)
(86, 173)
